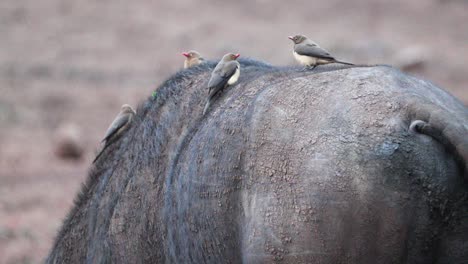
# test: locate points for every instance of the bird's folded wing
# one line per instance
(117, 124)
(221, 76)
(312, 51)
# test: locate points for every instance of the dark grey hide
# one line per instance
(338, 165)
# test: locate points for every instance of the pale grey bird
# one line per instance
(309, 53)
(192, 58)
(121, 123)
(226, 72)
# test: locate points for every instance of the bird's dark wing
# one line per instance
(120, 121)
(220, 76)
(312, 51)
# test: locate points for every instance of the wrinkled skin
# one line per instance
(287, 166)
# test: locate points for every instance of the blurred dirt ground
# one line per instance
(74, 63)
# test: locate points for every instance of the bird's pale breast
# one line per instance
(234, 77)
(305, 60)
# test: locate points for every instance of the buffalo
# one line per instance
(342, 164)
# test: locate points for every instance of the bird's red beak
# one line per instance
(185, 54)
(237, 55)
(291, 37)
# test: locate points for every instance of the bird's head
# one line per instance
(298, 39)
(127, 109)
(191, 55)
(231, 57)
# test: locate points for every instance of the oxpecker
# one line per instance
(309, 53)
(226, 72)
(118, 127)
(192, 58)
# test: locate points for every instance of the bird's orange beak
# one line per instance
(291, 37)
(185, 54)
(237, 55)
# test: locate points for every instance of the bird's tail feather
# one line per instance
(343, 62)
(99, 155)
(109, 142)
(207, 105)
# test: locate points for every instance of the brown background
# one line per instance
(74, 63)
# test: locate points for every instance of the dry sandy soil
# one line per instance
(76, 62)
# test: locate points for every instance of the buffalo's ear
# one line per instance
(451, 133)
